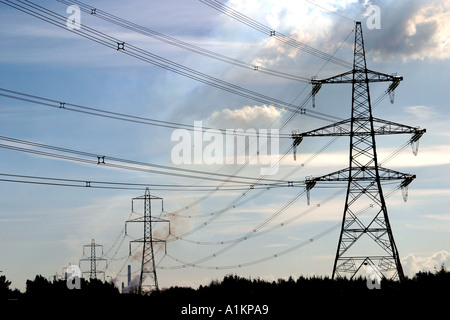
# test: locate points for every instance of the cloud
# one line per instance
(413, 263)
(411, 30)
(438, 217)
(302, 21)
(428, 156)
(421, 112)
(244, 118)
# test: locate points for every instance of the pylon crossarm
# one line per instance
(375, 76)
(389, 174)
(96, 258)
(347, 77)
(342, 128)
(147, 219)
(365, 174)
(142, 240)
(388, 127)
(151, 197)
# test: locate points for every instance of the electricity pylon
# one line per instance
(147, 279)
(93, 259)
(365, 220)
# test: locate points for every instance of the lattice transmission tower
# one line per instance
(148, 280)
(93, 259)
(366, 237)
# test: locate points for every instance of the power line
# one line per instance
(64, 182)
(104, 161)
(95, 184)
(255, 232)
(304, 243)
(176, 42)
(63, 19)
(378, 100)
(330, 11)
(143, 55)
(217, 5)
(308, 160)
(215, 188)
(57, 104)
(119, 116)
(234, 203)
(216, 214)
(249, 234)
(208, 173)
(302, 105)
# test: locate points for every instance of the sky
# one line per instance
(43, 228)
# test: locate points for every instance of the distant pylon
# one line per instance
(365, 221)
(148, 280)
(93, 259)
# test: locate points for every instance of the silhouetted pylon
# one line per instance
(365, 221)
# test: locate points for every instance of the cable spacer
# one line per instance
(100, 159)
(120, 46)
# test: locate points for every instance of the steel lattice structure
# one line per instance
(148, 280)
(364, 175)
(93, 259)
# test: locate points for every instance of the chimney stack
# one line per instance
(129, 275)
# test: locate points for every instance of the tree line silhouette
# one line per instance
(283, 297)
